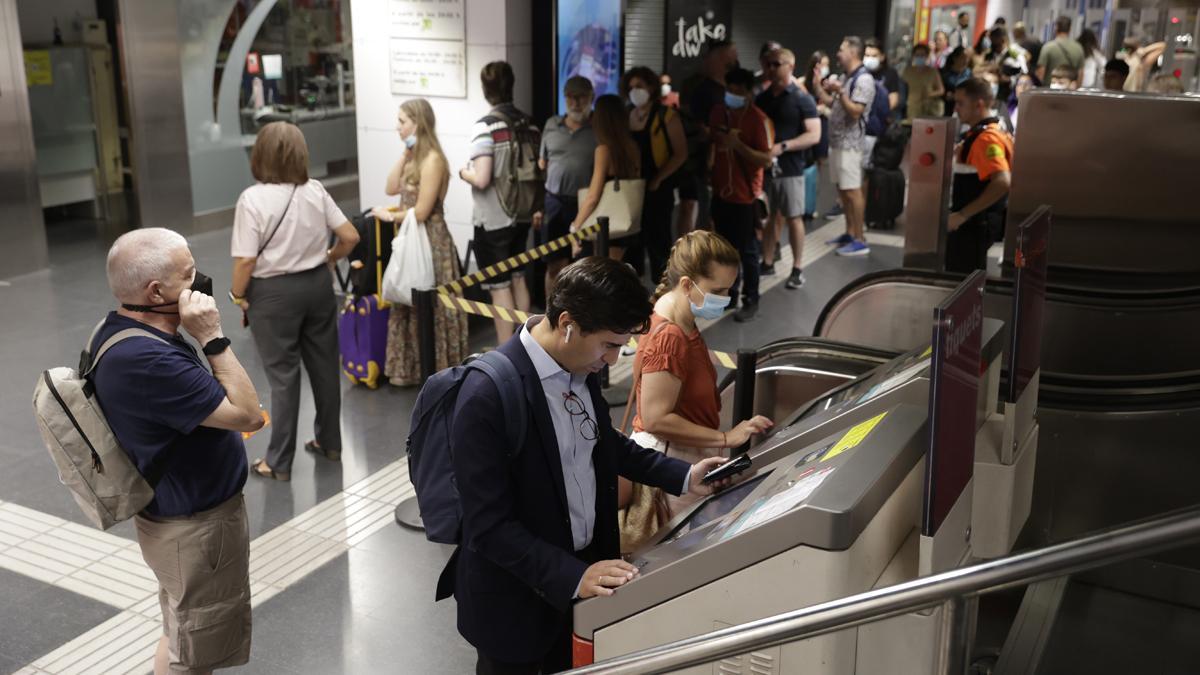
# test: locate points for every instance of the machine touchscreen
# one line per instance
(716, 507)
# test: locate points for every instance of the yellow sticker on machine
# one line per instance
(857, 434)
(927, 352)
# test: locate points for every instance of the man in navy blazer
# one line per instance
(540, 522)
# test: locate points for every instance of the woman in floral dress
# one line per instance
(421, 179)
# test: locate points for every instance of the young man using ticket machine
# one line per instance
(982, 176)
(539, 523)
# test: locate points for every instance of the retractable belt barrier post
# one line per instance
(743, 390)
(602, 238)
(602, 250)
(426, 335)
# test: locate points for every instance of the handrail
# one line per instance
(1168, 531)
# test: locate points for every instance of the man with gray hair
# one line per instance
(179, 424)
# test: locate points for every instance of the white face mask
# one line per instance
(824, 72)
(666, 89)
(871, 62)
(577, 116)
(639, 97)
(1057, 85)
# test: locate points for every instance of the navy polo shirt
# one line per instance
(788, 111)
(154, 397)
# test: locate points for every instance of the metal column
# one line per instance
(21, 225)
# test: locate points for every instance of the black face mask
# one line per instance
(202, 283)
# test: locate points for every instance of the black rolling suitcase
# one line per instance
(885, 198)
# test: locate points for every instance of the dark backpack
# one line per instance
(889, 147)
(877, 118)
(430, 457)
(374, 250)
(520, 184)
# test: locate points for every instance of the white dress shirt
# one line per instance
(575, 451)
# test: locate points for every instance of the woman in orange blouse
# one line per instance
(678, 407)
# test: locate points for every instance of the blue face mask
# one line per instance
(713, 307)
(410, 141)
(919, 61)
(734, 102)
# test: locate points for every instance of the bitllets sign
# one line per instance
(954, 384)
(691, 25)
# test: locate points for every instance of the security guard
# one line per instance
(982, 177)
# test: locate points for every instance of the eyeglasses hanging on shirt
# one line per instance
(587, 426)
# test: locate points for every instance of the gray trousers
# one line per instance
(294, 319)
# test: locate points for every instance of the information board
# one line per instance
(428, 19)
(428, 67)
(953, 389)
(427, 52)
(1029, 300)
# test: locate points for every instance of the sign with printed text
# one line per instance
(38, 70)
(953, 390)
(1029, 299)
(691, 25)
(428, 19)
(428, 67)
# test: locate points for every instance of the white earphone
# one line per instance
(569, 333)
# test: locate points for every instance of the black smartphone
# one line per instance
(728, 469)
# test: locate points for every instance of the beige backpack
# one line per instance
(100, 474)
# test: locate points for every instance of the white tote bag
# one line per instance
(411, 266)
(622, 203)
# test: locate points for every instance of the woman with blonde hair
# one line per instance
(282, 282)
(675, 384)
(421, 178)
(617, 156)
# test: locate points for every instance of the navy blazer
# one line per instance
(516, 571)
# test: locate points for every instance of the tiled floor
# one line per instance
(337, 586)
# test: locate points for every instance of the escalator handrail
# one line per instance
(818, 347)
(1168, 531)
(1145, 298)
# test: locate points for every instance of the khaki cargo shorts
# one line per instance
(202, 563)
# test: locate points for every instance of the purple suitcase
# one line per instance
(362, 334)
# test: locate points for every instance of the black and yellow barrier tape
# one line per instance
(517, 261)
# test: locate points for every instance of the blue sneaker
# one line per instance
(840, 241)
(834, 212)
(854, 248)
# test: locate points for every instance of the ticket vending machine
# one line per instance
(819, 518)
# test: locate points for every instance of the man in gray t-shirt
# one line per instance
(1062, 51)
(852, 99)
(568, 154)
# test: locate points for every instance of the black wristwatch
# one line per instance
(216, 346)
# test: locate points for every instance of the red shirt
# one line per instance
(686, 357)
(734, 178)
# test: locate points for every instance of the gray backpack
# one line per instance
(100, 474)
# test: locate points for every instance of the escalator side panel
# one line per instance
(1099, 470)
(1082, 336)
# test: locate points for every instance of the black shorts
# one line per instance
(495, 245)
(560, 213)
